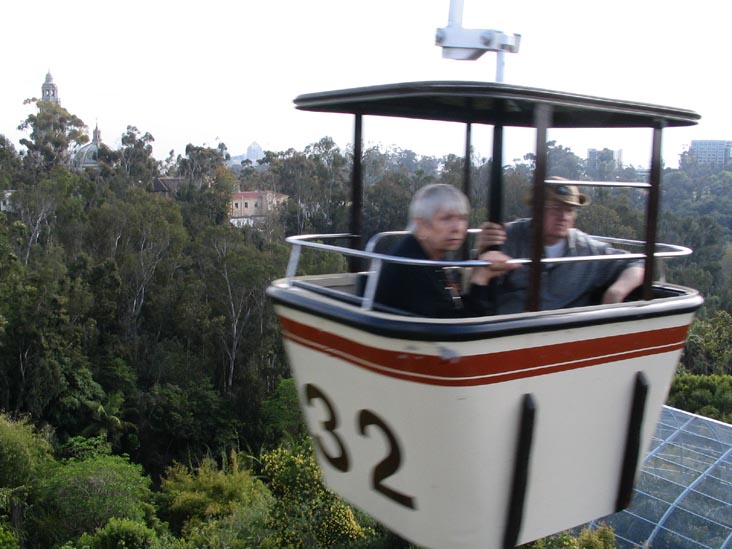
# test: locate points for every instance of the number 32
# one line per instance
(366, 418)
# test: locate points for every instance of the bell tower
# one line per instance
(49, 90)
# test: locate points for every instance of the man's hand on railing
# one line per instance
(491, 235)
(498, 266)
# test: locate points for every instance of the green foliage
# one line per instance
(386, 204)
(244, 528)
(313, 262)
(53, 131)
(602, 537)
(206, 206)
(706, 395)
(10, 164)
(200, 164)
(74, 497)
(210, 499)
(281, 413)
(81, 448)
(136, 159)
(8, 539)
(306, 514)
(120, 533)
(24, 455)
(23, 452)
(613, 215)
(708, 348)
(180, 423)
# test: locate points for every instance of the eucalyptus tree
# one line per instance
(24, 454)
(10, 164)
(386, 204)
(200, 165)
(332, 169)
(54, 132)
(237, 274)
(136, 156)
(152, 238)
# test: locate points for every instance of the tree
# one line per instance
(386, 205)
(706, 395)
(282, 415)
(36, 207)
(237, 275)
(189, 499)
(203, 206)
(107, 419)
(150, 238)
(200, 164)
(130, 534)
(708, 349)
(42, 357)
(613, 215)
(181, 422)
(74, 497)
(53, 133)
(136, 156)
(24, 453)
(701, 270)
(10, 165)
(333, 184)
(561, 162)
(306, 513)
(602, 537)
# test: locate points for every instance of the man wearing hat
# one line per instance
(570, 284)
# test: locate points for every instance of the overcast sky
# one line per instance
(228, 71)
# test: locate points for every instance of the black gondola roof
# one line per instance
(494, 104)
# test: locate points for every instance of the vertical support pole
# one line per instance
(495, 198)
(467, 177)
(468, 162)
(455, 15)
(500, 65)
(520, 479)
(542, 119)
(356, 228)
(652, 209)
(632, 442)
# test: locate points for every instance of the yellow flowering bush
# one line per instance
(306, 513)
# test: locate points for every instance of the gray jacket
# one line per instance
(563, 285)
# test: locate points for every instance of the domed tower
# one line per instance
(88, 155)
(49, 90)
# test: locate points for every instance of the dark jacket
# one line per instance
(425, 291)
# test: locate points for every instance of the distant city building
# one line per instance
(711, 151)
(49, 90)
(87, 156)
(254, 153)
(248, 208)
(601, 161)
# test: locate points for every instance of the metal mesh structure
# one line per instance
(683, 495)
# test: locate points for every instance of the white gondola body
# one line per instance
(423, 434)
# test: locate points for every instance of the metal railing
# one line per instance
(376, 260)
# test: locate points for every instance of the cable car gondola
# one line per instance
(490, 431)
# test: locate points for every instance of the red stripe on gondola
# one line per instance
(487, 368)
